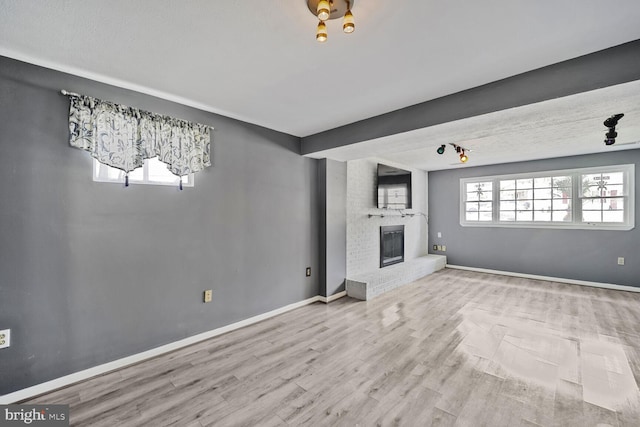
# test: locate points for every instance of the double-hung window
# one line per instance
(600, 197)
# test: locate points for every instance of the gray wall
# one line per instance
(92, 272)
(589, 255)
(332, 196)
(607, 67)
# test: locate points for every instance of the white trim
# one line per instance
(333, 297)
(548, 278)
(67, 380)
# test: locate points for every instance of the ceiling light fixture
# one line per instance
(611, 123)
(331, 9)
(440, 149)
(323, 10)
(321, 32)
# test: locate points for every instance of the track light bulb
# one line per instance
(323, 10)
(463, 157)
(440, 149)
(348, 24)
(321, 32)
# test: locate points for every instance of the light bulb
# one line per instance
(321, 32)
(323, 10)
(348, 24)
(440, 149)
(463, 157)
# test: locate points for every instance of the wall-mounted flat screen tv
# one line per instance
(394, 188)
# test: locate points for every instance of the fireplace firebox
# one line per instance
(391, 245)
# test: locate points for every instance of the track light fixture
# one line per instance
(461, 151)
(611, 123)
(331, 9)
(463, 157)
(440, 149)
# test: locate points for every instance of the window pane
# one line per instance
(542, 193)
(485, 206)
(590, 179)
(542, 205)
(591, 204)
(613, 204)
(487, 195)
(508, 195)
(524, 194)
(486, 216)
(542, 182)
(591, 216)
(479, 190)
(158, 172)
(612, 190)
(591, 191)
(561, 204)
(508, 185)
(524, 216)
(471, 187)
(542, 216)
(507, 206)
(524, 183)
(562, 193)
(614, 177)
(562, 181)
(472, 207)
(561, 215)
(507, 216)
(613, 216)
(524, 205)
(471, 216)
(136, 175)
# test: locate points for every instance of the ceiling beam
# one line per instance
(616, 65)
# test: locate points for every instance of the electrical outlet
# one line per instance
(5, 338)
(435, 247)
(620, 260)
(208, 295)
(308, 272)
(439, 247)
(444, 248)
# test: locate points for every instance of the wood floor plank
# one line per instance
(455, 348)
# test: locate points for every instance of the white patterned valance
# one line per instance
(122, 137)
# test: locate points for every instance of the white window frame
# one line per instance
(187, 180)
(576, 222)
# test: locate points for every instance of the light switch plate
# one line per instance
(208, 295)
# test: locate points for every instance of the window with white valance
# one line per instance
(123, 137)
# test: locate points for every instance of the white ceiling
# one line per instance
(258, 60)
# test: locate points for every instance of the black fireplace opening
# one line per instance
(391, 245)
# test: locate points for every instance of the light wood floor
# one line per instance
(455, 348)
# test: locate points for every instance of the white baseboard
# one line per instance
(67, 380)
(333, 297)
(548, 278)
